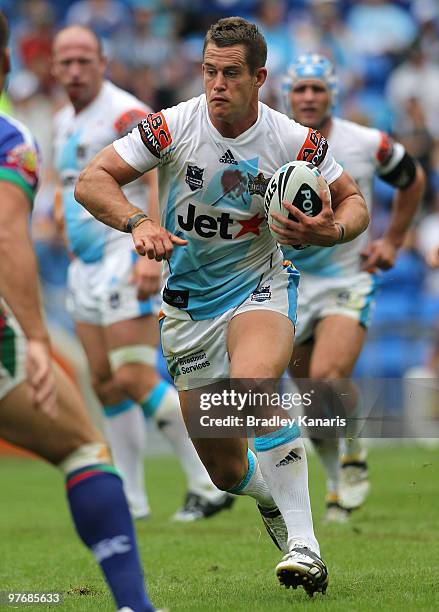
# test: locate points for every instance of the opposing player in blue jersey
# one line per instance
(215, 155)
(113, 292)
(40, 408)
(338, 285)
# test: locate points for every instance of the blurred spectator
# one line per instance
(272, 21)
(33, 40)
(381, 30)
(416, 78)
(105, 17)
(427, 241)
(136, 45)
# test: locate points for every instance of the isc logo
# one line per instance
(205, 225)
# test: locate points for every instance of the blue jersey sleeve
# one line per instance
(19, 156)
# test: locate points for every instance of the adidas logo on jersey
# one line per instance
(228, 158)
(292, 457)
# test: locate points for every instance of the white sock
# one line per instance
(126, 433)
(328, 452)
(353, 447)
(285, 470)
(253, 484)
(163, 405)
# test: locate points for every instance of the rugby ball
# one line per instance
(300, 183)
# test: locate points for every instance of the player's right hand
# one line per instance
(41, 377)
(155, 241)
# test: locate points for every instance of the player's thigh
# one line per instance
(137, 331)
(260, 344)
(338, 341)
(93, 340)
(52, 439)
(299, 365)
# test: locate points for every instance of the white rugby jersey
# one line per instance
(78, 138)
(363, 152)
(211, 192)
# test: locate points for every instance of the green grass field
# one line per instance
(387, 558)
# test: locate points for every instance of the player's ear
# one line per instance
(260, 76)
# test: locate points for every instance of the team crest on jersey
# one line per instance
(261, 294)
(194, 177)
(257, 185)
(24, 159)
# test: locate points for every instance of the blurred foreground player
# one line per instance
(338, 285)
(215, 155)
(113, 292)
(40, 408)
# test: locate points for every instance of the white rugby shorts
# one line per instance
(101, 293)
(197, 350)
(319, 297)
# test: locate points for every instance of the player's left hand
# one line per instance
(320, 230)
(379, 254)
(146, 275)
(41, 377)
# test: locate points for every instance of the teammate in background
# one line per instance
(337, 287)
(40, 408)
(215, 155)
(113, 292)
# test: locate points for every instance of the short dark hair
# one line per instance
(4, 31)
(237, 31)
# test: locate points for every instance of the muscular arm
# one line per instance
(18, 267)
(382, 253)
(151, 181)
(349, 207)
(98, 188)
(405, 204)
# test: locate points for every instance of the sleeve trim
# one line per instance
(11, 176)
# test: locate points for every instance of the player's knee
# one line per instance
(328, 371)
(85, 455)
(226, 477)
(104, 386)
(134, 370)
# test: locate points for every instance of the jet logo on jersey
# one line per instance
(194, 177)
(228, 158)
(207, 226)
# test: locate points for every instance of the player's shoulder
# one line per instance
(63, 116)
(122, 109)
(19, 155)
(280, 122)
(190, 110)
(13, 132)
(355, 133)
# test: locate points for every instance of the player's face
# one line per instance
(231, 90)
(310, 102)
(78, 66)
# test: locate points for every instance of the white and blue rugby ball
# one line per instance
(300, 183)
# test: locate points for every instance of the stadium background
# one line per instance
(387, 58)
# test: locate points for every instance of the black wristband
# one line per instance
(341, 230)
(134, 221)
